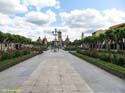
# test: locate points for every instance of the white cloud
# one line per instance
(80, 18)
(19, 25)
(36, 24)
(42, 3)
(113, 16)
(40, 18)
(20, 6)
(92, 19)
(4, 20)
(12, 7)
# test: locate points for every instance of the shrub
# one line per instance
(117, 59)
(92, 53)
(13, 54)
(4, 64)
(6, 55)
(105, 56)
(112, 68)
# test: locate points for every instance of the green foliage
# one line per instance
(75, 42)
(7, 37)
(119, 60)
(108, 57)
(120, 71)
(105, 56)
(92, 53)
(4, 64)
(9, 55)
(70, 49)
(115, 35)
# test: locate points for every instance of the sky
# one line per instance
(34, 18)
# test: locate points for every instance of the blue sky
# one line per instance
(68, 5)
(40, 17)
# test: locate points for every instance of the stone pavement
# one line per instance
(55, 76)
(59, 67)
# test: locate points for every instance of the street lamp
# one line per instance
(55, 41)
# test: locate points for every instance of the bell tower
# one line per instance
(60, 38)
(82, 35)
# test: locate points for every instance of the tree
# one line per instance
(101, 39)
(108, 38)
(119, 34)
(7, 38)
(1, 38)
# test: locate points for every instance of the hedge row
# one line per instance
(117, 59)
(70, 49)
(13, 54)
(4, 64)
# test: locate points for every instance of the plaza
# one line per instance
(59, 72)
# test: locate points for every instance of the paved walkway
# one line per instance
(55, 76)
(55, 72)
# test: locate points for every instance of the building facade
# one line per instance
(98, 32)
(39, 40)
(117, 26)
(45, 41)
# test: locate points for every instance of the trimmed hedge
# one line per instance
(117, 59)
(70, 49)
(112, 68)
(13, 54)
(10, 62)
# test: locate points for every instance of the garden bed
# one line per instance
(4, 64)
(112, 68)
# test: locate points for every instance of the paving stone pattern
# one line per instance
(55, 76)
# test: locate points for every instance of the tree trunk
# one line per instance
(1, 46)
(107, 45)
(7, 46)
(117, 46)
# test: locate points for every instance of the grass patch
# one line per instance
(114, 69)
(10, 62)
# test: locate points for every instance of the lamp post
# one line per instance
(55, 32)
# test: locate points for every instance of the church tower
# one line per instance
(45, 41)
(60, 38)
(67, 39)
(82, 35)
(39, 40)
